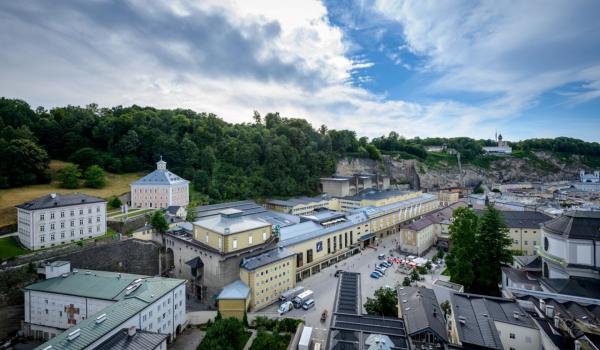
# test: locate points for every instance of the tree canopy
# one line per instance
(479, 248)
(384, 303)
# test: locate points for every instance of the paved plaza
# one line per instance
(324, 285)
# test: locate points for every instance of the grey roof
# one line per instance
(371, 211)
(234, 290)
(440, 216)
(55, 200)
(309, 229)
(141, 340)
(519, 276)
(173, 209)
(450, 285)
(160, 177)
(230, 221)
(421, 311)
(322, 216)
(267, 258)
(475, 316)
(350, 329)
(249, 209)
(522, 219)
(420, 224)
(529, 262)
(291, 202)
(372, 194)
(576, 286)
(576, 224)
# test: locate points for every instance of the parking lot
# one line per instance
(324, 286)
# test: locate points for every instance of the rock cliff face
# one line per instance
(543, 167)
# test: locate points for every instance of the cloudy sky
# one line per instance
(423, 68)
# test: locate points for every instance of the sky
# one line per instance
(526, 69)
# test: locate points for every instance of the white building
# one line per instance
(571, 246)
(484, 322)
(58, 219)
(502, 148)
(83, 309)
(160, 189)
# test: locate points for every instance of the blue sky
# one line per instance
(421, 68)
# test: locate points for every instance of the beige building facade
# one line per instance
(160, 189)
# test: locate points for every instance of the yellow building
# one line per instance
(524, 229)
(234, 300)
(371, 198)
(447, 198)
(298, 206)
(268, 275)
(230, 231)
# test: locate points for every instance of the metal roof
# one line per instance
(521, 219)
(309, 229)
(160, 177)
(350, 329)
(267, 258)
(373, 194)
(291, 202)
(576, 224)
(55, 200)
(141, 340)
(229, 222)
(249, 209)
(421, 311)
(234, 290)
(87, 283)
(475, 316)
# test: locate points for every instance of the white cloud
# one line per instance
(233, 57)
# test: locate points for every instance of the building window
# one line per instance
(42, 228)
(546, 243)
(62, 214)
(80, 221)
(81, 231)
(62, 235)
(264, 236)
(51, 226)
(299, 260)
(42, 238)
(89, 220)
(52, 236)
(250, 239)
(345, 239)
(51, 215)
(309, 256)
(206, 238)
(334, 244)
(72, 223)
(220, 242)
(62, 224)
(234, 243)
(328, 245)
(72, 213)
(512, 336)
(80, 211)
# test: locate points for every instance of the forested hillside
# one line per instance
(269, 156)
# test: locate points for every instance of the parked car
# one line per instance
(380, 269)
(310, 303)
(285, 307)
(338, 272)
(378, 273)
(375, 275)
(381, 256)
(385, 264)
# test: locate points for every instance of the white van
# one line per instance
(310, 303)
(285, 307)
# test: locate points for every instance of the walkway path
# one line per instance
(251, 340)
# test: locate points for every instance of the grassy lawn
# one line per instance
(10, 248)
(132, 213)
(117, 185)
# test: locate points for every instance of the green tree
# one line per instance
(224, 334)
(69, 176)
(95, 177)
(462, 257)
(414, 275)
(406, 281)
(384, 303)
(114, 202)
(446, 308)
(492, 246)
(158, 222)
(373, 152)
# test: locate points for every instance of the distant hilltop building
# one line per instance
(502, 147)
(588, 182)
(160, 189)
(589, 178)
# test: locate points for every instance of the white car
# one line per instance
(285, 307)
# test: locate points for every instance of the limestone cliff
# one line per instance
(539, 166)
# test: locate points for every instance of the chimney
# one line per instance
(131, 331)
(556, 322)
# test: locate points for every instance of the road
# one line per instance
(324, 286)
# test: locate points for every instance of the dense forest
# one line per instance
(269, 156)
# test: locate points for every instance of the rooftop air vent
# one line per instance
(52, 195)
(48, 347)
(100, 318)
(73, 335)
(516, 315)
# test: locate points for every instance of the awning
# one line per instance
(366, 237)
(195, 263)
